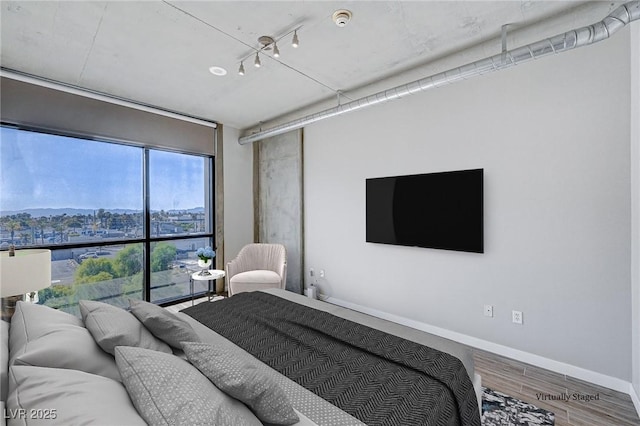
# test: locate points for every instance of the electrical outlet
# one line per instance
(321, 273)
(516, 317)
(488, 311)
(311, 272)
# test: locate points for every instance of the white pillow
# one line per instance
(163, 324)
(51, 396)
(4, 359)
(111, 326)
(45, 337)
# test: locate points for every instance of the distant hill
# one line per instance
(72, 212)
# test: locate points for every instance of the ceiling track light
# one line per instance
(295, 42)
(265, 44)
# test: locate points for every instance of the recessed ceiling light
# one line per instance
(217, 71)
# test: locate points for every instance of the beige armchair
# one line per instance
(257, 267)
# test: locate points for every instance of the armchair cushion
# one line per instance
(254, 281)
(259, 276)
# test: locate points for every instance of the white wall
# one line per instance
(238, 193)
(553, 138)
(635, 200)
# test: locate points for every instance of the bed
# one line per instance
(319, 335)
(119, 367)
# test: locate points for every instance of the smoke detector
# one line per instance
(341, 17)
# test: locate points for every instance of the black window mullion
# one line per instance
(146, 293)
(211, 200)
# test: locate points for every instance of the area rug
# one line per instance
(499, 409)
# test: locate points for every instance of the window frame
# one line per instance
(147, 240)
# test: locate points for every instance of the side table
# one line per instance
(212, 276)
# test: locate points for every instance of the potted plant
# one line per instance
(204, 258)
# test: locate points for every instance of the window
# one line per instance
(85, 200)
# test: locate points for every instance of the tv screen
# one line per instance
(435, 210)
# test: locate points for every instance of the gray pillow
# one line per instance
(4, 359)
(111, 326)
(241, 378)
(163, 324)
(167, 390)
(46, 337)
(68, 397)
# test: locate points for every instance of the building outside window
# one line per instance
(122, 221)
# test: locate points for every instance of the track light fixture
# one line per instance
(295, 42)
(265, 44)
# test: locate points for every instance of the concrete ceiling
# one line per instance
(159, 52)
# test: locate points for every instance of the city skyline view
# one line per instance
(41, 171)
(84, 200)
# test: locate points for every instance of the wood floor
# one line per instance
(533, 384)
(530, 384)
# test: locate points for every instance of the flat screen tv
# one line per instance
(434, 210)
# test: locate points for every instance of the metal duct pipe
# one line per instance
(584, 36)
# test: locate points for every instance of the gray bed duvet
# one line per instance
(370, 375)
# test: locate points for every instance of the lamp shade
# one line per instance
(27, 271)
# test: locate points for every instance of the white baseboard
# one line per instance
(635, 398)
(539, 361)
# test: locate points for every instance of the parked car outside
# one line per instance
(89, 255)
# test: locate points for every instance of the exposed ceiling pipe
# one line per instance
(584, 36)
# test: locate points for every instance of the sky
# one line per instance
(39, 170)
